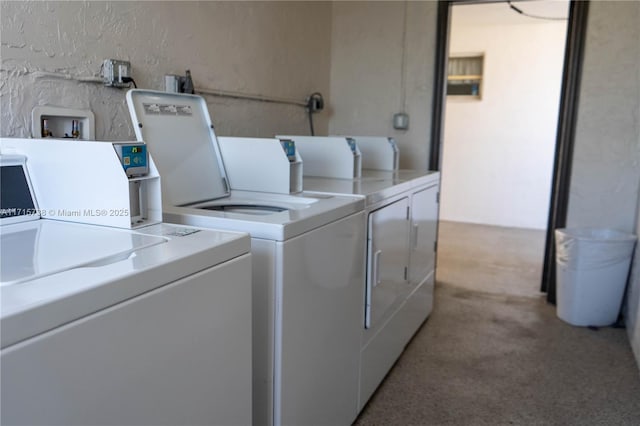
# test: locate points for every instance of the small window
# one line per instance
(465, 76)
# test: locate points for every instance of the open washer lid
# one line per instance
(181, 138)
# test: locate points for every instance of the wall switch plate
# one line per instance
(113, 72)
(401, 121)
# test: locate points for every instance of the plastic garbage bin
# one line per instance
(592, 266)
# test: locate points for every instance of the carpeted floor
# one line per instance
(493, 351)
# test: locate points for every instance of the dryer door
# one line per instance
(387, 260)
(424, 215)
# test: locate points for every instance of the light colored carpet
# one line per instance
(490, 258)
(494, 353)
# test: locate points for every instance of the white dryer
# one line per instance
(307, 253)
(402, 215)
(110, 326)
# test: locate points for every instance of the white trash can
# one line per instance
(592, 266)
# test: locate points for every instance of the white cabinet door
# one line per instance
(424, 225)
(387, 259)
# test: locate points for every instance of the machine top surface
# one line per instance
(39, 248)
(374, 185)
(265, 215)
(54, 272)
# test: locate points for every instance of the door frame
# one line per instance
(567, 120)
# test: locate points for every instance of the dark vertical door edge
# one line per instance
(439, 84)
(567, 119)
(439, 99)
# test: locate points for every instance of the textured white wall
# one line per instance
(279, 49)
(366, 73)
(498, 151)
(605, 177)
(606, 163)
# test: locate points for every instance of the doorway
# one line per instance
(499, 139)
(565, 128)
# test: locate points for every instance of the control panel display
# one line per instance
(134, 158)
(15, 196)
(352, 145)
(289, 147)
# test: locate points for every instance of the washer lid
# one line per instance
(181, 139)
(41, 248)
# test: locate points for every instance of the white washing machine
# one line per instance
(110, 326)
(402, 215)
(307, 253)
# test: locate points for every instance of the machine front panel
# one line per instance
(319, 325)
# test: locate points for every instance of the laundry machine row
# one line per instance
(329, 314)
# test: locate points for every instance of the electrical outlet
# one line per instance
(114, 71)
(315, 102)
